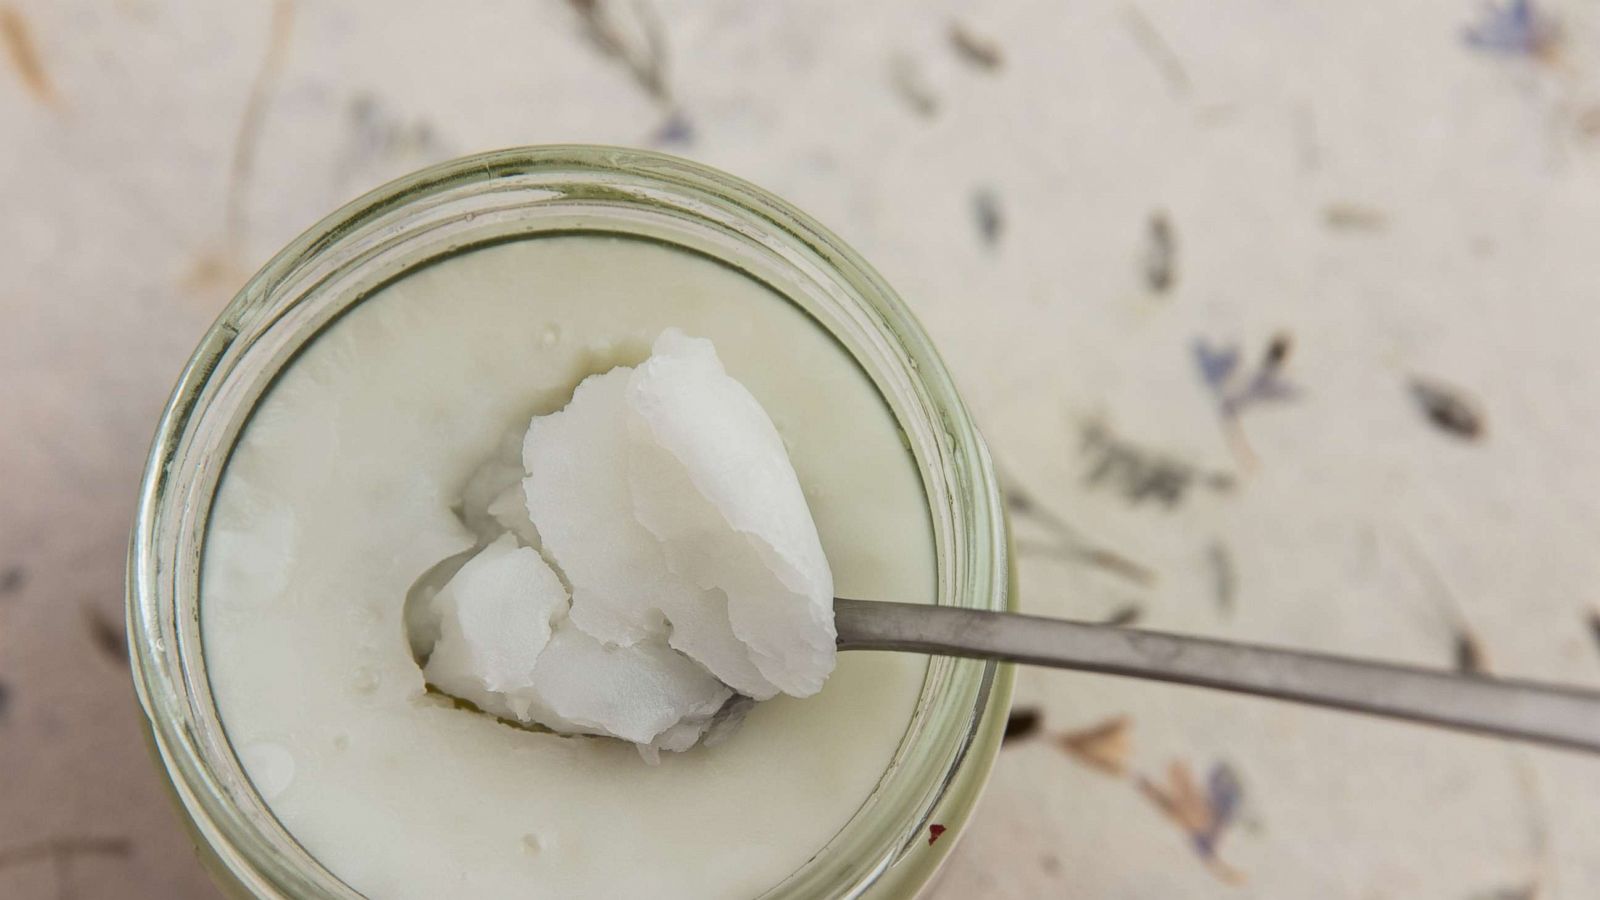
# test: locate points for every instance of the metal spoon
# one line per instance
(1524, 710)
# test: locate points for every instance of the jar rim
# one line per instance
(184, 468)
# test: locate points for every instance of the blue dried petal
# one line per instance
(1515, 28)
(988, 215)
(1267, 385)
(676, 130)
(1217, 365)
(1224, 792)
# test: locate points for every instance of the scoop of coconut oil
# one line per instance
(648, 570)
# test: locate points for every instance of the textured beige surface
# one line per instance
(1355, 175)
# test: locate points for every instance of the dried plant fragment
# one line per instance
(1450, 409)
(1104, 746)
(988, 216)
(1161, 254)
(1224, 580)
(1179, 798)
(1126, 614)
(980, 51)
(221, 267)
(1235, 391)
(675, 131)
(1353, 217)
(12, 579)
(1588, 122)
(378, 133)
(1139, 473)
(23, 52)
(66, 848)
(106, 635)
(643, 50)
(1070, 544)
(1157, 50)
(906, 79)
(1203, 814)
(1515, 28)
(1023, 723)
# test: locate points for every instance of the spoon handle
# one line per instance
(1548, 714)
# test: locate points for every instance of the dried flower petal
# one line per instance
(981, 51)
(1136, 472)
(1217, 364)
(1161, 254)
(17, 37)
(1224, 581)
(106, 635)
(641, 48)
(1069, 544)
(1217, 370)
(1180, 799)
(1514, 29)
(986, 213)
(907, 80)
(1104, 746)
(1022, 723)
(1470, 658)
(1353, 217)
(676, 130)
(1226, 794)
(1450, 409)
(1157, 50)
(1204, 816)
(1126, 614)
(64, 848)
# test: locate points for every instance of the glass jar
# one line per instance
(940, 767)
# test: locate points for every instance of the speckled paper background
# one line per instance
(1281, 319)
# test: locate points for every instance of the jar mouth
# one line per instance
(527, 193)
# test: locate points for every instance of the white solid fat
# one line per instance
(509, 510)
(636, 693)
(482, 507)
(577, 494)
(344, 479)
(505, 643)
(666, 496)
(726, 504)
(494, 619)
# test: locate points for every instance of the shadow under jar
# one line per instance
(310, 465)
